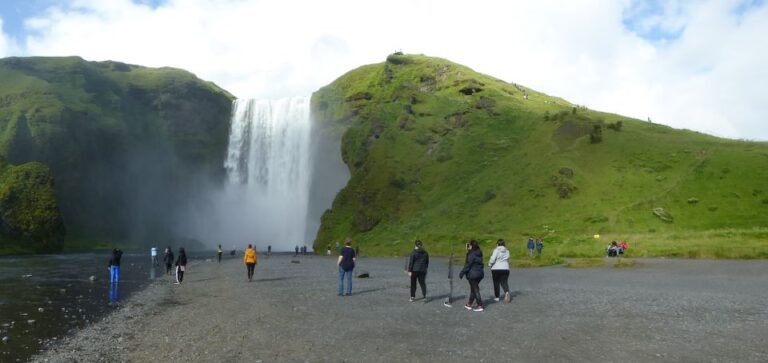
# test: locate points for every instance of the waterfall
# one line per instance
(269, 173)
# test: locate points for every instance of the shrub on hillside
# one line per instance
(398, 183)
(596, 135)
(488, 196)
(616, 126)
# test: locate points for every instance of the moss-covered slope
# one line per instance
(442, 153)
(29, 214)
(127, 145)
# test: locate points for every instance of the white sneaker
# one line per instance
(478, 309)
(468, 307)
(410, 299)
(495, 299)
(507, 297)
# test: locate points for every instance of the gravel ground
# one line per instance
(659, 310)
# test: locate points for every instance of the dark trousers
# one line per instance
(219, 255)
(500, 277)
(422, 278)
(168, 267)
(250, 267)
(179, 274)
(474, 292)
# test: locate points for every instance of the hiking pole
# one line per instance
(449, 300)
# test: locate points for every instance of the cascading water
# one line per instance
(269, 173)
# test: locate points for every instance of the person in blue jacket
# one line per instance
(531, 246)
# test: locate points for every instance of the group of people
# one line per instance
(168, 258)
(474, 269)
(538, 245)
(416, 267)
(616, 249)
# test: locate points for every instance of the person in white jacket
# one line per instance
(499, 264)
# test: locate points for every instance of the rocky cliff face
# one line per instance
(129, 147)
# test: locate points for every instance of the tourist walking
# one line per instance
(531, 246)
(418, 263)
(181, 266)
(539, 246)
(346, 263)
(219, 252)
(473, 269)
(328, 253)
(499, 264)
(168, 259)
(114, 265)
(250, 259)
(269, 250)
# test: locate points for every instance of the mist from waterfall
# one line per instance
(266, 195)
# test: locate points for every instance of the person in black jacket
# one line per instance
(168, 259)
(418, 263)
(473, 269)
(181, 266)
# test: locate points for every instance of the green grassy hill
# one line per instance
(127, 145)
(439, 152)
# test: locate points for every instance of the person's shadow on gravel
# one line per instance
(445, 296)
(512, 294)
(361, 292)
(272, 279)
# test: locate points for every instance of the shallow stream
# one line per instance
(46, 297)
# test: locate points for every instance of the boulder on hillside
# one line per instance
(663, 215)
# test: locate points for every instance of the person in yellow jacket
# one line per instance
(250, 260)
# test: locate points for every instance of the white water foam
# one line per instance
(269, 173)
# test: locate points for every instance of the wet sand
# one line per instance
(661, 310)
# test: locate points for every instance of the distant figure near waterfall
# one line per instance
(114, 265)
(181, 266)
(153, 254)
(250, 259)
(168, 259)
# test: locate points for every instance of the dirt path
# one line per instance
(664, 310)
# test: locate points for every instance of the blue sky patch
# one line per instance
(746, 6)
(15, 12)
(652, 21)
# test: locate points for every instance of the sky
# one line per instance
(695, 64)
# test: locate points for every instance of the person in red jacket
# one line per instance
(623, 247)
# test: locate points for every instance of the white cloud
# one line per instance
(7, 46)
(708, 79)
